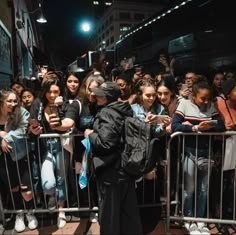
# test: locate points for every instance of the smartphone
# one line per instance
(161, 118)
(213, 122)
(54, 110)
(33, 122)
(184, 86)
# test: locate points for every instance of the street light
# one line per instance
(40, 19)
(86, 27)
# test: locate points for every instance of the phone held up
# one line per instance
(54, 110)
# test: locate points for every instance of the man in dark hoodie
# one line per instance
(118, 212)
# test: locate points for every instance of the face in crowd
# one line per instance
(52, 93)
(201, 97)
(218, 79)
(18, 88)
(124, 88)
(90, 95)
(27, 98)
(8, 102)
(148, 95)
(164, 95)
(189, 79)
(72, 84)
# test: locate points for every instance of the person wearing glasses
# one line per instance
(124, 81)
(186, 89)
(13, 125)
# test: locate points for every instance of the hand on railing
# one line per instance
(205, 125)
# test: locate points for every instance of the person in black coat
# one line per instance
(118, 212)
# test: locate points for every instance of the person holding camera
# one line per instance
(51, 115)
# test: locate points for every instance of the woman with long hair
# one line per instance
(72, 85)
(166, 94)
(86, 120)
(13, 125)
(54, 159)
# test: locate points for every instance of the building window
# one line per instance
(112, 39)
(107, 32)
(107, 42)
(124, 15)
(111, 18)
(125, 27)
(112, 28)
(139, 16)
(106, 23)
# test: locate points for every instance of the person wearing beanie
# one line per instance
(117, 196)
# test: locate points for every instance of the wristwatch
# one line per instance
(195, 128)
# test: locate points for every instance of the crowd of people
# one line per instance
(95, 107)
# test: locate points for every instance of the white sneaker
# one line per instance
(32, 221)
(193, 229)
(19, 223)
(203, 228)
(93, 218)
(1, 229)
(187, 225)
(61, 220)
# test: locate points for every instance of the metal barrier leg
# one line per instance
(2, 215)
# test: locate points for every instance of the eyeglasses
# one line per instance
(12, 102)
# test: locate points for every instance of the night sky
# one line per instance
(64, 42)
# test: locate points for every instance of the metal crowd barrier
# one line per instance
(83, 203)
(176, 181)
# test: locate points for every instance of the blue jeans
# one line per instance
(189, 189)
(54, 169)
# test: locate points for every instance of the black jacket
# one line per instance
(106, 139)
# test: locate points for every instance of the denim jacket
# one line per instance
(21, 130)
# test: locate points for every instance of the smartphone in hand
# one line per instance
(161, 118)
(33, 122)
(54, 110)
(213, 122)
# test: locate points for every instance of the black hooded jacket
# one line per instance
(106, 139)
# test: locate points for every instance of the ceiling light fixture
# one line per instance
(40, 19)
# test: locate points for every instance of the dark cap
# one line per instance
(109, 89)
(228, 86)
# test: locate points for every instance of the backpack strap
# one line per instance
(80, 105)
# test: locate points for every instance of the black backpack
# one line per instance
(140, 153)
